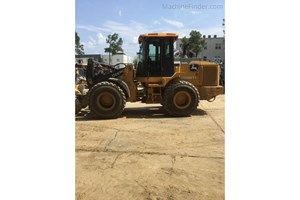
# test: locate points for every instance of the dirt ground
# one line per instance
(146, 154)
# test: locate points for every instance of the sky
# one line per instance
(95, 20)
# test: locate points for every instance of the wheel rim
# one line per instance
(106, 101)
(182, 99)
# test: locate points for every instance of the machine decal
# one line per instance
(194, 67)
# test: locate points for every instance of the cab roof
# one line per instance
(154, 35)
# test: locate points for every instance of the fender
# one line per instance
(122, 85)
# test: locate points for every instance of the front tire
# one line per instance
(107, 100)
(181, 99)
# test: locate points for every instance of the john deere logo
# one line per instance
(194, 67)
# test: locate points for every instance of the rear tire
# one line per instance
(107, 100)
(181, 99)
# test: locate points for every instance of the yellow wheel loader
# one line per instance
(156, 79)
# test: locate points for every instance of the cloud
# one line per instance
(91, 28)
(88, 45)
(156, 22)
(92, 40)
(178, 24)
(94, 44)
(101, 38)
(120, 13)
(134, 40)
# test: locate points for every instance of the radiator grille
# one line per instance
(210, 76)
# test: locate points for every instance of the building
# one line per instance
(117, 58)
(213, 50)
(84, 58)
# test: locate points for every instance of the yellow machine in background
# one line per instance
(156, 79)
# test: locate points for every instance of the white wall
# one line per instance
(84, 60)
(210, 52)
(116, 59)
(119, 58)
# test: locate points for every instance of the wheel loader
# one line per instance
(178, 87)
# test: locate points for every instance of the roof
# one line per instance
(88, 55)
(173, 35)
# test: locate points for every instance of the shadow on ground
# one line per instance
(138, 112)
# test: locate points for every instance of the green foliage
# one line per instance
(115, 44)
(79, 48)
(192, 45)
(196, 42)
(184, 45)
(223, 24)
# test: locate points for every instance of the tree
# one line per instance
(193, 45)
(196, 42)
(223, 24)
(79, 48)
(184, 45)
(115, 44)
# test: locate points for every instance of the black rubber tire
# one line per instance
(181, 108)
(107, 100)
(77, 106)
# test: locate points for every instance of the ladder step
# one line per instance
(155, 85)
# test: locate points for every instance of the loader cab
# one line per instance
(156, 57)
